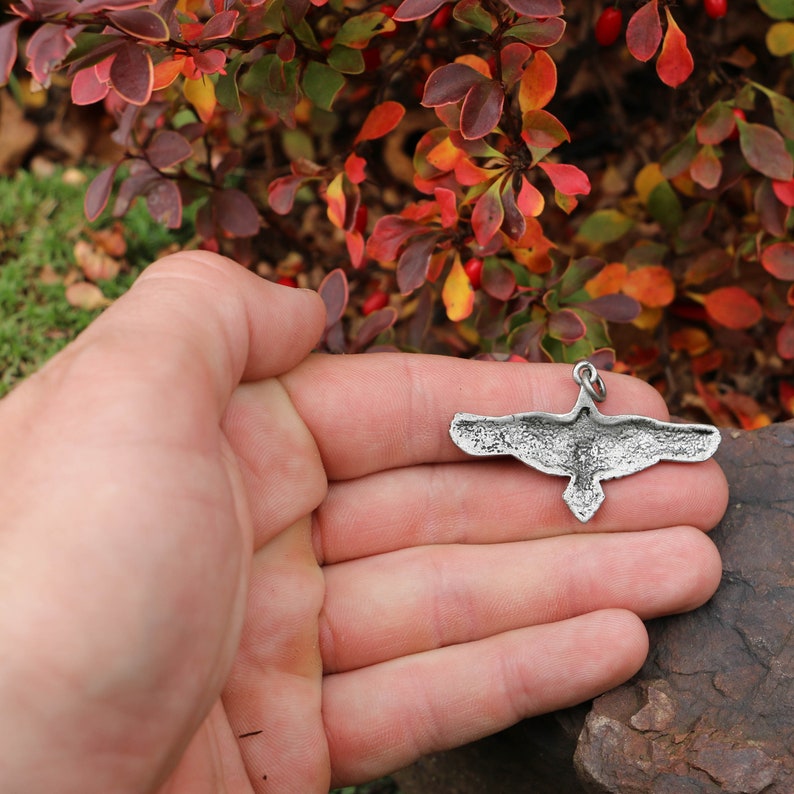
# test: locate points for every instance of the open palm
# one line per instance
(298, 581)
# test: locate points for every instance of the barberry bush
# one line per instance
(508, 179)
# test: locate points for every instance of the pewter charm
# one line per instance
(584, 444)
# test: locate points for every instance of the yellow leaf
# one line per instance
(457, 294)
(780, 38)
(201, 94)
(337, 204)
(646, 180)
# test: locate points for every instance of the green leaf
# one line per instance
(322, 84)
(357, 31)
(226, 89)
(777, 9)
(605, 226)
(665, 206)
(471, 12)
(346, 60)
(677, 159)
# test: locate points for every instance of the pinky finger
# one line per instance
(382, 718)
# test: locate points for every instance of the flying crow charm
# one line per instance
(584, 444)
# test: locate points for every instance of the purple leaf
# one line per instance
(47, 48)
(536, 8)
(566, 326)
(164, 203)
(141, 24)
(8, 48)
(335, 292)
(132, 74)
(376, 323)
(281, 193)
(109, 5)
(235, 213)
(616, 308)
(416, 9)
(450, 83)
(389, 234)
(413, 264)
(98, 193)
(481, 110)
(167, 149)
(220, 26)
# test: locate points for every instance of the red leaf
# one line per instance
(765, 151)
(716, 124)
(164, 202)
(8, 48)
(220, 26)
(335, 293)
(675, 62)
(235, 213)
(644, 32)
(141, 23)
(281, 193)
(778, 259)
(481, 110)
(449, 84)
(416, 9)
(784, 191)
(98, 193)
(210, 61)
(733, 307)
(388, 236)
(355, 168)
(568, 179)
(785, 343)
(380, 121)
(706, 168)
(498, 280)
(488, 215)
(536, 9)
(413, 264)
(167, 149)
(87, 88)
(132, 74)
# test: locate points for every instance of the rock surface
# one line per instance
(712, 709)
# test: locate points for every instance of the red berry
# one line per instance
(716, 9)
(608, 26)
(287, 281)
(473, 268)
(376, 301)
(442, 17)
(738, 113)
(360, 222)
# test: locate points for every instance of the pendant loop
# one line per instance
(586, 375)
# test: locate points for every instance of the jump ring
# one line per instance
(586, 375)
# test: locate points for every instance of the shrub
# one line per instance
(429, 166)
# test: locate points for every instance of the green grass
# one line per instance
(41, 218)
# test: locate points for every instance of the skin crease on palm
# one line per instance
(209, 533)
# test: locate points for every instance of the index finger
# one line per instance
(387, 410)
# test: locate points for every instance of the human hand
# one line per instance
(300, 581)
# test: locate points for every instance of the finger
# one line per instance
(498, 501)
(414, 600)
(387, 410)
(193, 324)
(383, 717)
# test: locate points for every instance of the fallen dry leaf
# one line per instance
(83, 295)
(95, 263)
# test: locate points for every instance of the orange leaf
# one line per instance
(778, 259)
(652, 286)
(609, 280)
(201, 94)
(694, 340)
(538, 83)
(457, 293)
(733, 307)
(674, 64)
(380, 121)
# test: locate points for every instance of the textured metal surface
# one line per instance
(584, 444)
